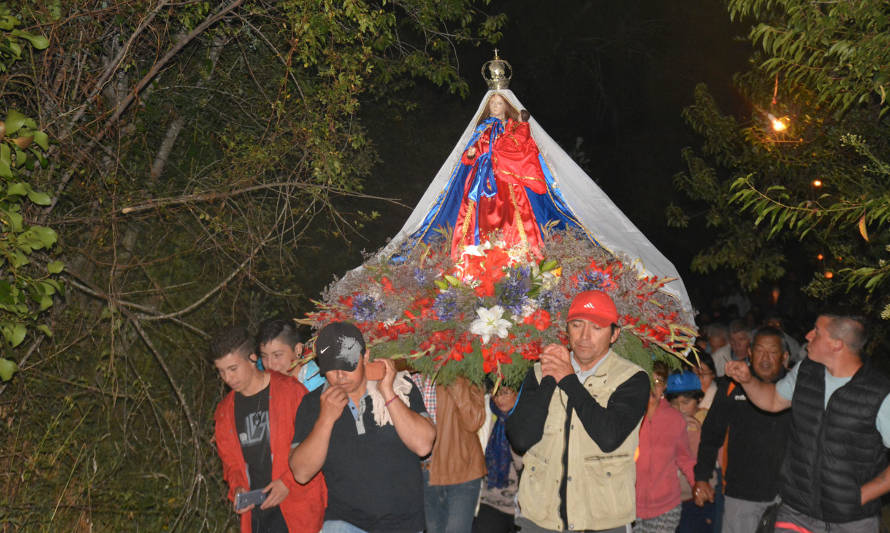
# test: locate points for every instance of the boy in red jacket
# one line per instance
(254, 434)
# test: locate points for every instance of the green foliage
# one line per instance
(27, 286)
(13, 41)
(839, 50)
(814, 196)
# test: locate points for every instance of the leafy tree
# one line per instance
(800, 179)
(195, 145)
(27, 268)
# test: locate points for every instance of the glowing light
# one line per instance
(820, 257)
(778, 124)
(829, 274)
(817, 183)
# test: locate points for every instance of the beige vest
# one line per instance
(599, 486)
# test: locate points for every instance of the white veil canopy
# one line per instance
(600, 217)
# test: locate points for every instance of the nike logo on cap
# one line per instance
(323, 349)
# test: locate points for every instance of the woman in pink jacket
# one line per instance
(664, 448)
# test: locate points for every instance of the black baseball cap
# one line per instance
(339, 346)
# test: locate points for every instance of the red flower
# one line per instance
(387, 284)
(540, 318)
(531, 351)
(496, 259)
(488, 361)
(485, 287)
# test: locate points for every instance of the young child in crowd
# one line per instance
(684, 392)
(280, 347)
(663, 449)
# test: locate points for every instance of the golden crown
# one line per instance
(497, 72)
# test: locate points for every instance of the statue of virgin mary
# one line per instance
(507, 174)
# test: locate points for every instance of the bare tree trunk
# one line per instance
(157, 167)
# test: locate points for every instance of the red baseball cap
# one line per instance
(595, 306)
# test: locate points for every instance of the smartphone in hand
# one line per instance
(253, 497)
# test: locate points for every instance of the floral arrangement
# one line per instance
(491, 313)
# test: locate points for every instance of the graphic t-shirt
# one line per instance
(252, 424)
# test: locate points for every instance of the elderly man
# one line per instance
(840, 431)
(737, 349)
(756, 442)
(365, 436)
(577, 421)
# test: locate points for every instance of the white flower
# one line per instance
(528, 309)
(549, 281)
(472, 249)
(489, 323)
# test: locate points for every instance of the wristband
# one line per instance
(390, 400)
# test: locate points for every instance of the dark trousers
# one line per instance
(490, 520)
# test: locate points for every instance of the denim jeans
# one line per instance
(339, 526)
(449, 508)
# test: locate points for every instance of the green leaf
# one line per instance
(43, 328)
(441, 284)
(7, 369)
(55, 267)
(453, 281)
(19, 259)
(18, 189)
(37, 41)
(46, 236)
(5, 171)
(39, 198)
(14, 121)
(8, 22)
(6, 296)
(549, 265)
(46, 288)
(15, 220)
(14, 333)
(45, 302)
(42, 139)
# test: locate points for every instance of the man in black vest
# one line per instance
(835, 468)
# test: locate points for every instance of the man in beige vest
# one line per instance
(577, 422)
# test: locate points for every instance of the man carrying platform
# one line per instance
(577, 422)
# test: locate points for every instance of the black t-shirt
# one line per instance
(374, 481)
(252, 424)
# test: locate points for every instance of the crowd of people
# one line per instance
(760, 435)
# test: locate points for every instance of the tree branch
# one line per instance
(125, 103)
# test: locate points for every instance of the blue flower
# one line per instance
(553, 301)
(365, 308)
(420, 275)
(592, 281)
(514, 289)
(445, 305)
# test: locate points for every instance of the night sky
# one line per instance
(607, 80)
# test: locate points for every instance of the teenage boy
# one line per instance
(280, 347)
(366, 436)
(253, 434)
